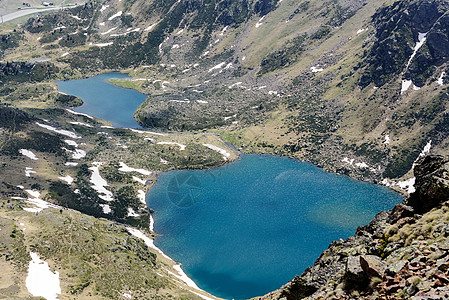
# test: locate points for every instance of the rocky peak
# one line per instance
(432, 183)
(398, 28)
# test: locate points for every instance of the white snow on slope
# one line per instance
(80, 114)
(118, 14)
(182, 147)
(41, 282)
(106, 208)
(99, 183)
(29, 171)
(259, 23)
(150, 27)
(68, 179)
(316, 69)
(426, 149)
(149, 242)
(109, 31)
(141, 181)
(223, 152)
(219, 66)
(104, 44)
(421, 40)
(60, 131)
(440, 79)
(408, 185)
(405, 85)
(28, 154)
(141, 196)
(82, 124)
(125, 168)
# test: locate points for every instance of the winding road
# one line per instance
(25, 12)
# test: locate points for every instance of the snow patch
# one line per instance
(421, 40)
(150, 132)
(104, 44)
(106, 208)
(235, 84)
(387, 139)
(103, 8)
(180, 101)
(41, 282)
(141, 196)
(259, 23)
(41, 204)
(316, 69)
(135, 178)
(230, 117)
(440, 79)
(65, 54)
(132, 213)
(81, 123)
(224, 30)
(405, 85)
(426, 149)
(348, 161)
(58, 28)
(80, 114)
(60, 131)
(118, 14)
(77, 153)
(182, 147)
(28, 154)
(408, 185)
(149, 242)
(360, 30)
(219, 66)
(71, 164)
(109, 31)
(71, 143)
(361, 165)
(223, 152)
(125, 168)
(68, 179)
(29, 171)
(150, 27)
(99, 183)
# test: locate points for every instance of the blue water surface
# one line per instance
(104, 100)
(247, 228)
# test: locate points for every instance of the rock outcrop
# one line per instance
(401, 254)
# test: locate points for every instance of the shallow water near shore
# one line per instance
(245, 229)
(104, 100)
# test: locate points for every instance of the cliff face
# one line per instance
(402, 253)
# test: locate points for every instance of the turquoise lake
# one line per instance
(104, 100)
(247, 228)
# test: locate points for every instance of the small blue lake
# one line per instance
(104, 100)
(245, 229)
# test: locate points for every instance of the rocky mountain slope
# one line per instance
(357, 87)
(401, 254)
